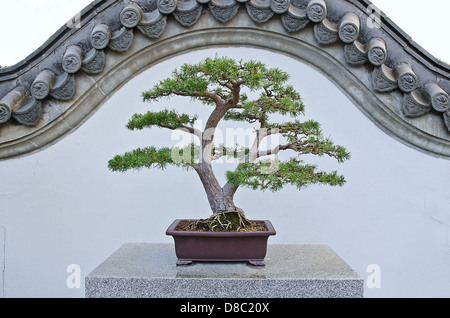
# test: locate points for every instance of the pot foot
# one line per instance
(184, 263)
(258, 263)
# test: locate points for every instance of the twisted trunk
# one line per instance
(226, 216)
(218, 200)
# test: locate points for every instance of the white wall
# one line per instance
(62, 206)
(2, 261)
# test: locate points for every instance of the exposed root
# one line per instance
(223, 221)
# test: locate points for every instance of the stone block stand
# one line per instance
(291, 271)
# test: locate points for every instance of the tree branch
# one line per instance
(192, 131)
(215, 97)
(229, 189)
(254, 150)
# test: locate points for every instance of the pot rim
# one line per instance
(171, 231)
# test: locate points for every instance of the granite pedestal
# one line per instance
(291, 271)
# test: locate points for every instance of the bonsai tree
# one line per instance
(225, 84)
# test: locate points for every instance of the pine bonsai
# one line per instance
(224, 84)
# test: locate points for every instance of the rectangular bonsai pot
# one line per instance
(192, 246)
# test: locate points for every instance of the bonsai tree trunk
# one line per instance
(226, 216)
(217, 199)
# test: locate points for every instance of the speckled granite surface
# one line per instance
(291, 271)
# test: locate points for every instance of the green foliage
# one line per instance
(259, 175)
(221, 76)
(306, 138)
(149, 157)
(196, 80)
(275, 98)
(162, 119)
(186, 157)
(295, 128)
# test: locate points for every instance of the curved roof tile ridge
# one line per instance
(404, 39)
(397, 65)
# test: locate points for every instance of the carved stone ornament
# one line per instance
(72, 59)
(349, 28)
(188, 12)
(295, 19)
(447, 119)
(43, 83)
(326, 32)
(64, 88)
(316, 10)
(224, 10)
(131, 15)
(166, 6)
(121, 40)
(415, 105)
(13, 100)
(5, 113)
(153, 24)
(407, 79)
(355, 53)
(376, 51)
(30, 113)
(94, 62)
(100, 36)
(293, 24)
(437, 97)
(383, 79)
(259, 10)
(279, 6)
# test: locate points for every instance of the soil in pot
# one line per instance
(228, 221)
(192, 225)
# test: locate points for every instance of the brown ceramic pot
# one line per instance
(191, 246)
